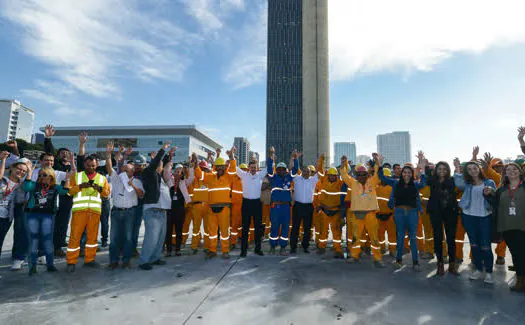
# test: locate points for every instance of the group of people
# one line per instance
(424, 209)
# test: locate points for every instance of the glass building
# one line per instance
(395, 147)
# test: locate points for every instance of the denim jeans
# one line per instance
(479, 231)
(406, 220)
(121, 234)
(104, 219)
(62, 221)
(5, 224)
(155, 224)
(139, 213)
(40, 228)
(21, 238)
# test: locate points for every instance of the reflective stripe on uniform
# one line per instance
(219, 189)
(333, 193)
(73, 249)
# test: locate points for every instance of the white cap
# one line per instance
(23, 160)
(177, 166)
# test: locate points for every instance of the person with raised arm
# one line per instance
(406, 207)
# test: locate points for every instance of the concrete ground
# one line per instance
(301, 289)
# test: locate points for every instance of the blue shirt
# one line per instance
(281, 186)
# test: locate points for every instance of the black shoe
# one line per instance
(104, 244)
(306, 251)
(159, 262)
(293, 251)
(243, 254)
(146, 266)
(210, 255)
(52, 269)
(259, 252)
(32, 270)
(70, 268)
(93, 264)
(113, 266)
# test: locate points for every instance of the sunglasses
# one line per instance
(43, 175)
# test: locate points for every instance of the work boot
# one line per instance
(397, 264)
(306, 251)
(441, 269)
(70, 268)
(194, 251)
(283, 251)
(178, 253)
(167, 254)
(416, 268)
(32, 270)
(113, 266)
(243, 254)
(159, 262)
(259, 252)
(233, 247)
(353, 260)
(126, 265)
(52, 269)
(210, 255)
(225, 256)
(93, 264)
(104, 244)
(321, 251)
(519, 286)
(338, 255)
(392, 253)
(146, 267)
(453, 268)
(272, 250)
(500, 260)
(379, 264)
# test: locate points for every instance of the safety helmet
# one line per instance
(281, 165)
(520, 161)
(203, 164)
(332, 171)
(139, 160)
(220, 162)
(496, 162)
(359, 168)
(463, 164)
(243, 166)
(387, 172)
(311, 168)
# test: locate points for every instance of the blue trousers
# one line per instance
(155, 224)
(406, 220)
(20, 236)
(280, 220)
(5, 224)
(479, 231)
(40, 228)
(121, 234)
(139, 213)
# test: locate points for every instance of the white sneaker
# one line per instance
(41, 260)
(488, 278)
(476, 275)
(17, 265)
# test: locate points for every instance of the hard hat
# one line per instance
(463, 164)
(281, 165)
(177, 166)
(520, 161)
(387, 172)
(139, 160)
(332, 171)
(203, 164)
(220, 162)
(495, 162)
(311, 168)
(361, 168)
(243, 166)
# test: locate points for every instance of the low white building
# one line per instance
(16, 121)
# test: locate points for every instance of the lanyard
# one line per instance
(512, 194)
(9, 190)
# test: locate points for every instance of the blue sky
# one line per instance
(453, 76)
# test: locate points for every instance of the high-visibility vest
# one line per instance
(88, 198)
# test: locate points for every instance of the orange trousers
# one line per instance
(83, 220)
(215, 221)
(349, 229)
(389, 227)
(236, 222)
(198, 210)
(266, 219)
(334, 223)
(372, 226)
(501, 249)
(318, 222)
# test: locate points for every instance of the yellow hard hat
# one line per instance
(220, 162)
(387, 172)
(243, 166)
(311, 168)
(332, 171)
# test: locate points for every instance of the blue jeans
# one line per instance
(280, 219)
(5, 224)
(406, 220)
(479, 231)
(155, 224)
(104, 219)
(20, 236)
(121, 234)
(139, 213)
(40, 228)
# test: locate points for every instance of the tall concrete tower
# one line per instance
(297, 108)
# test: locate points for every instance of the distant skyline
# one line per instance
(393, 66)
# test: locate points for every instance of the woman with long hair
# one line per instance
(406, 207)
(40, 210)
(476, 217)
(443, 210)
(508, 204)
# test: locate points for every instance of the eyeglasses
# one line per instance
(43, 175)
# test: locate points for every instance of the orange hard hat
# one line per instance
(496, 162)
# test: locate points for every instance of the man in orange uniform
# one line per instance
(316, 219)
(364, 208)
(386, 221)
(219, 184)
(266, 199)
(236, 217)
(198, 209)
(87, 189)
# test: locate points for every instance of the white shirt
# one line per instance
(251, 184)
(477, 202)
(304, 188)
(124, 196)
(164, 201)
(59, 176)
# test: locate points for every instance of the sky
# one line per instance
(450, 72)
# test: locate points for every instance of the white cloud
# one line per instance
(78, 112)
(410, 35)
(204, 12)
(37, 94)
(89, 43)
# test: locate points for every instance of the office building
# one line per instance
(297, 105)
(243, 149)
(344, 149)
(143, 139)
(38, 138)
(16, 121)
(395, 147)
(254, 154)
(362, 159)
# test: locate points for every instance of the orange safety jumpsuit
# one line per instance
(317, 221)
(219, 200)
(236, 216)
(388, 226)
(266, 199)
(86, 210)
(198, 212)
(330, 212)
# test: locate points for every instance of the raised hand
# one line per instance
(271, 151)
(195, 158)
(299, 154)
(380, 160)
(420, 155)
(294, 154)
(110, 147)
(172, 151)
(49, 131)
(153, 154)
(521, 135)
(475, 152)
(128, 151)
(457, 163)
(12, 144)
(487, 158)
(218, 152)
(166, 145)
(322, 155)
(4, 155)
(121, 149)
(83, 137)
